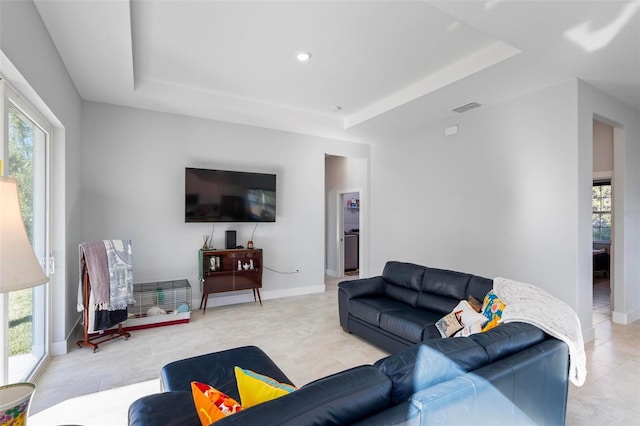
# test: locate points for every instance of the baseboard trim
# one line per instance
(588, 334)
(62, 347)
(59, 348)
(224, 299)
(332, 273)
(625, 318)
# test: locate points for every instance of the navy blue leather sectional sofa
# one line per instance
(513, 374)
(401, 306)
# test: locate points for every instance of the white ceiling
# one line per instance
(386, 64)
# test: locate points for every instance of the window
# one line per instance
(601, 206)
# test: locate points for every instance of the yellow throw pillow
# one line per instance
(255, 388)
(211, 404)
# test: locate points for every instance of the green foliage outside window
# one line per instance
(601, 212)
(20, 167)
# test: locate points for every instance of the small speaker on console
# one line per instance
(230, 240)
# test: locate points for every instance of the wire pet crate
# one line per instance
(158, 304)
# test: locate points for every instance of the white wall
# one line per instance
(497, 199)
(32, 65)
(602, 148)
(510, 195)
(133, 187)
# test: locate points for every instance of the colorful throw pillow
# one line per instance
(211, 404)
(492, 308)
(471, 320)
(467, 314)
(255, 388)
(449, 324)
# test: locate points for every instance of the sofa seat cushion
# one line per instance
(368, 309)
(408, 323)
(430, 332)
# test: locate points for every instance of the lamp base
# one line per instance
(14, 403)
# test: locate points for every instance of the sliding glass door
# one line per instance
(25, 149)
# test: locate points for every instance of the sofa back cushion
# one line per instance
(479, 287)
(435, 303)
(401, 294)
(403, 281)
(420, 366)
(342, 398)
(445, 283)
(507, 339)
(403, 274)
(466, 353)
(441, 290)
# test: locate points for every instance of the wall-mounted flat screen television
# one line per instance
(229, 196)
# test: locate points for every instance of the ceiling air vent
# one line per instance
(467, 107)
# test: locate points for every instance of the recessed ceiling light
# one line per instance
(303, 56)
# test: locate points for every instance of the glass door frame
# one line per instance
(11, 98)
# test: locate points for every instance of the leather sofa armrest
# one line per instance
(347, 290)
(166, 409)
(363, 287)
(466, 400)
(217, 369)
(508, 391)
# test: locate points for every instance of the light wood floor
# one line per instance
(304, 338)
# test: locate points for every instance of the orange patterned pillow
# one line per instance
(211, 404)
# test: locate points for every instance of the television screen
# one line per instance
(228, 196)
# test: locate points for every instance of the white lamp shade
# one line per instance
(19, 267)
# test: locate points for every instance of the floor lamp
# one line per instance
(19, 269)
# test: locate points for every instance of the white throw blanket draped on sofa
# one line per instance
(530, 304)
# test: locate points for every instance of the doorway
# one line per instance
(350, 212)
(345, 217)
(602, 221)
